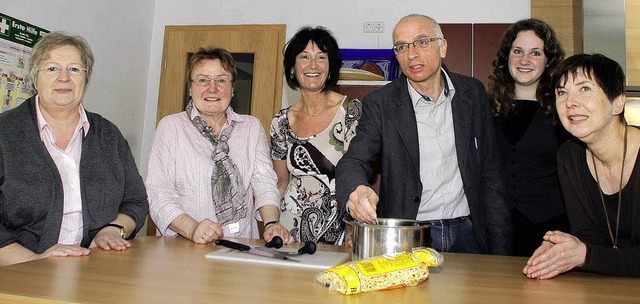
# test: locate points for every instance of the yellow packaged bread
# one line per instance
(381, 272)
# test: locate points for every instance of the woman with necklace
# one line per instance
(309, 138)
(597, 173)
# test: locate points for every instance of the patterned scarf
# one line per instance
(227, 192)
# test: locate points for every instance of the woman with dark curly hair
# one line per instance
(309, 138)
(528, 53)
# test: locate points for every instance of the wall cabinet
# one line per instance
(472, 47)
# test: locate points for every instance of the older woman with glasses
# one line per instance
(68, 181)
(210, 175)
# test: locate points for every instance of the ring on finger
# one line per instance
(204, 236)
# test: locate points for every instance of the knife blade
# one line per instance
(247, 249)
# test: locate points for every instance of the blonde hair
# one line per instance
(52, 41)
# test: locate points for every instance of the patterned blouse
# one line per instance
(309, 206)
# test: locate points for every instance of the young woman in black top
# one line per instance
(528, 141)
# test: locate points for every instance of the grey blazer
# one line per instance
(388, 131)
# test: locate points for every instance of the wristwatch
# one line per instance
(123, 232)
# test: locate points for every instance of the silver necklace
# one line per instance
(606, 215)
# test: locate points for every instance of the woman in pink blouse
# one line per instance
(210, 174)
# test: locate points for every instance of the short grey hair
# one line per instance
(44, 46)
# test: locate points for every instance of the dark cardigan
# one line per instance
(31, 194)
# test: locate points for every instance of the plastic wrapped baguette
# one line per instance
(381, 272)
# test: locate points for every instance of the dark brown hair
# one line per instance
(501, 84)
(325, 41)
(606, 72)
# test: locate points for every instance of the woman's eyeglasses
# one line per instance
(55, 69)
(203, 81)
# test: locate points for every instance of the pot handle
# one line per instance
(350, 223)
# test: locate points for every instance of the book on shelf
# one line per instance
(359, 77)
(357, 74)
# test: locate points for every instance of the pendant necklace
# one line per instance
(328, 100)
(316, 113)
(595, 170)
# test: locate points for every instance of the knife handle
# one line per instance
(232, 245)
(309, 247)
(276, 242)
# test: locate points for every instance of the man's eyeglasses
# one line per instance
(54, 70)
(203, 81)
(421, 43)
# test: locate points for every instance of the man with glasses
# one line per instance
(433, 133)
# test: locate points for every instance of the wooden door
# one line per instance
(264, 44)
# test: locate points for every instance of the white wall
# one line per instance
(127, 38)
(119, 32)
(344, 18)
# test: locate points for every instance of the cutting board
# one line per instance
(320, 260)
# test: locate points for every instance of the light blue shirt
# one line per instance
(442, 192)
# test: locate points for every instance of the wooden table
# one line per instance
(174, 270)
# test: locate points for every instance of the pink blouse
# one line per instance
(180, 166)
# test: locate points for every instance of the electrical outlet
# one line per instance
(367, 27)
(373, 27)
(378, 27)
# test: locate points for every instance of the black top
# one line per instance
(528, 145)
(586, 215)
(611, 203)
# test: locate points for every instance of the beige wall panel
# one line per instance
(565, 16)
(632, 8)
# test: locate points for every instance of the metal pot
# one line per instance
(388, 236)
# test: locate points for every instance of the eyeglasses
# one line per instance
(421, 43)
(54, 70)
(203, 81)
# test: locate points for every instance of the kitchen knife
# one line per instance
(248, 249)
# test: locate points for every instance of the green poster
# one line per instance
(17, 38)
